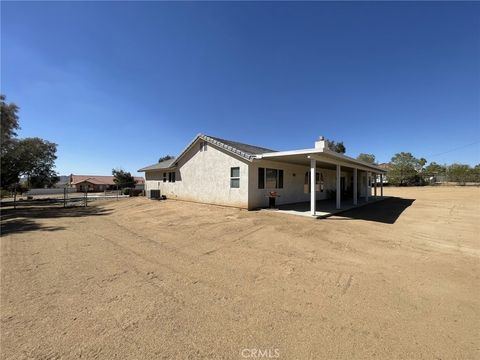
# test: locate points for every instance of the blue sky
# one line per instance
(118, 84)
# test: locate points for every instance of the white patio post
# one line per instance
(381, 185)
(355, 186)
(375, 185)
(367, 188)
(338, 188)
(313, 200)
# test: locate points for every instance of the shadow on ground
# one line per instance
(386, 211)
(23, 218)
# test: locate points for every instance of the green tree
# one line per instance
(404, 169)
(165, 158)
(9, 121)
(459, 173)
(30, 157)
(123, 179)
(368, 158)
(420, 164)
(476, 173)
(44, 180)
(433, 170)
(336, 146)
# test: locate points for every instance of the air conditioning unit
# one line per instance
(155, 194)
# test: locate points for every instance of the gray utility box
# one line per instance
(155, 194)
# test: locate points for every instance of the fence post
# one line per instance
(15, 197)
(86, 198)
(64, 197)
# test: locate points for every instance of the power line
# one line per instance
(454, 149)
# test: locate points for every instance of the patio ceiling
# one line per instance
(324, 159)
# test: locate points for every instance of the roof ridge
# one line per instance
(238, 142)
(233, 146)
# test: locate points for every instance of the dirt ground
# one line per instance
(141, 279)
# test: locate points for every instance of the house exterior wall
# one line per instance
(80, 187)
(203, 176)
(294, 188)
(364, 184)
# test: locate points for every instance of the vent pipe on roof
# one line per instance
(321, 143)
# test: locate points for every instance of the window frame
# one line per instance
(280, 175)
(261, 178)
(279, 178)
(234, 178)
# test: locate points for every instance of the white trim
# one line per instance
(355, 189)
(313, 188)
(338, 192)
(312, 152)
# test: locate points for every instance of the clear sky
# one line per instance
(118, 84)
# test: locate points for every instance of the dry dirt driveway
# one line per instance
(139, 279)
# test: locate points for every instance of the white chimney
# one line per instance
(321, 143)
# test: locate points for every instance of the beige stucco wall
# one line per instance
(204, 176)
(293, 183)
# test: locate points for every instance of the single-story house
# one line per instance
(223, 172)
(93, 183)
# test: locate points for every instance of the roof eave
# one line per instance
(155, 169)
(308, 152)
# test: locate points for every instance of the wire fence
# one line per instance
(60, 198)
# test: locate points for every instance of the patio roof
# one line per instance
(327, 158)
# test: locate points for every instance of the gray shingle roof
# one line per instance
(162, 165)
(244, 150)
(240, 149)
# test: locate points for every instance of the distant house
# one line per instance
(224, 172)
(92, 183)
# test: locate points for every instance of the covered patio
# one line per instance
(355, 181)
(323, 208)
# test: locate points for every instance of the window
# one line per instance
(271, 178)
(171, 176)
(319, 184)
(274, 179)
(164, 177)
(234, 177)
(261, 178)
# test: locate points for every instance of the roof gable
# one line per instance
(242, 150)
(245, 151)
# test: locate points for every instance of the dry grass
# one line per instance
(139, 279)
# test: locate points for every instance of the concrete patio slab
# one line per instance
(324, 208)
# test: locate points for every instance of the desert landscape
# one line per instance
(143, 279)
